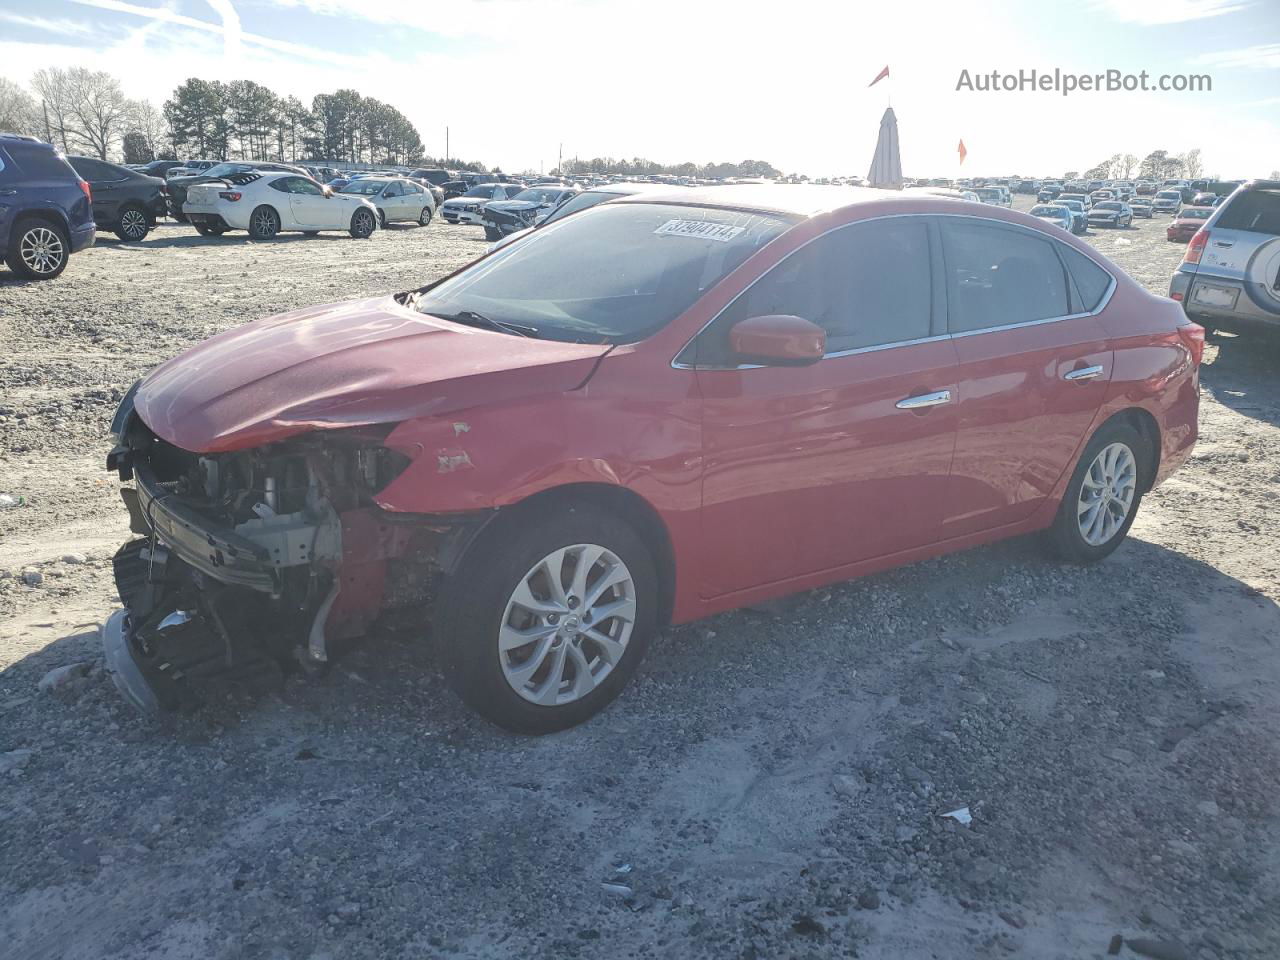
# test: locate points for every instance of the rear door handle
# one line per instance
(925, 400)
(1084, 373)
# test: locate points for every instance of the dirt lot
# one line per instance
(772, 783)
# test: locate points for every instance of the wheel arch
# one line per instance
(1145, 424)
(49, 215)
(620, 501)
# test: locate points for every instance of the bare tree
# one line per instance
(51, 86)
(1127, 163)
(1192, 164)
(98, 110)
(18, 110)
(147, 119)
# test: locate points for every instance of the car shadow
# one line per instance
(229, 239)
(1242, 375)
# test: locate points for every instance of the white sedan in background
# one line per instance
(466, 208)
(267, 203)
(395, 198)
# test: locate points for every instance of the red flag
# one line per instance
(963, 152)
(879, 76)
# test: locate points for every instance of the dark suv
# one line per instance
(124, 201)
(46, 212)
(1229, 278)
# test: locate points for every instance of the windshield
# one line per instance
(484, 190)
(536, 195)
(987, 192)
(365, 188)
(614, 274)
(226, 169)
(1072, 204)
(1108, 206)
(1048, 212)
(581, 202)
(1169, 195)
(1197, 213)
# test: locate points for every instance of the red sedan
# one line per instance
(651, 411)
(1184, 226)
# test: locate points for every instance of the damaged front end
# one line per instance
(252, 562)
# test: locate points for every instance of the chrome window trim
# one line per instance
(676, 364)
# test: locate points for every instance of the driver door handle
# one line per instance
(925, 400)
(1084, 373)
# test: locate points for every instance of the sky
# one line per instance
(516, 81)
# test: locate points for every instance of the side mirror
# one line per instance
(778, 340)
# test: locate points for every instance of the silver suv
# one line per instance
(1230, 276)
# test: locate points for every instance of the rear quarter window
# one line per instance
(45, 165)
(1257, 211)
(1091, 281)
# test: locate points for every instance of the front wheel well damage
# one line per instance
(619, 501)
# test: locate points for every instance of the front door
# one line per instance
(811, 468)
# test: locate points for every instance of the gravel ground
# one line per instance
(772, 784)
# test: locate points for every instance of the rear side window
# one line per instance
(1255, 210)
(1091, 281)
(45, 164)
(996, 277)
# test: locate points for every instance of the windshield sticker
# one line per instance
(700, 229)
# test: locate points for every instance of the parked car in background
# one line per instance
(46, 210)
(1167, 201)
(1205, 199)
(527, 208)
(455, 188)
(432, 175)
(1184, 226)
(267, 202)
(1097, 196)
(158, 168)
(1229, 278)
(189, 168)
(126, 202)
(466, 208)
(396, 199)
(1057, 214)
(1111, 213)
(1145, 188)
(178, 186)
(612, 191)
(1141, 207)
(995, 196)
(566, 483)
(1049, 192)
(1083, 198)
(1183, 187)
(1079, 217)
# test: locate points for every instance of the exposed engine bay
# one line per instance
(255, 562)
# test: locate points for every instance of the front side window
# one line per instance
(394, 190)
(305, 187)
(614, 274)
(997, 276)
(866, 285)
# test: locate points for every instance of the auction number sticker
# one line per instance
(701, 229)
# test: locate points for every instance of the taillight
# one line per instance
(1192, 335)
(87, 191)
(230, 195)
(1196, 247)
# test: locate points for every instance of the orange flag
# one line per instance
(879, 76)
(963, 152)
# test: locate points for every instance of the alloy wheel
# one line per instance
(133, 224)
(41, 250)
(1106, 494)
(264, 223)
(567, 624)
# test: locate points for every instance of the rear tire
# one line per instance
(480, 606)
(132, 225)
(209, 229)
(1097, 508)
(38, 249)
(424, 218)
(264, 223)
(492, 234)
(382, 219)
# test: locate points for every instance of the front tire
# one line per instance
(492, 234)
(547, 618)
(38, 249)
(382, 219)
(264, 223)
(1103, 495)
(132, 225)
(362, 224)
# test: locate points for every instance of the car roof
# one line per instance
(795, 200)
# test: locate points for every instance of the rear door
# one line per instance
(811, 468)
(1034, 364)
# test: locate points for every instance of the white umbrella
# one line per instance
(886, 165)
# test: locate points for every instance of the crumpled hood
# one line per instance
(515, 206)
(349, 364)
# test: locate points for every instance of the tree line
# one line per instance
(640, 167)
(1156, 165)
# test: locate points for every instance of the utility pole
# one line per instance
(560, 161)
(446, 145)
